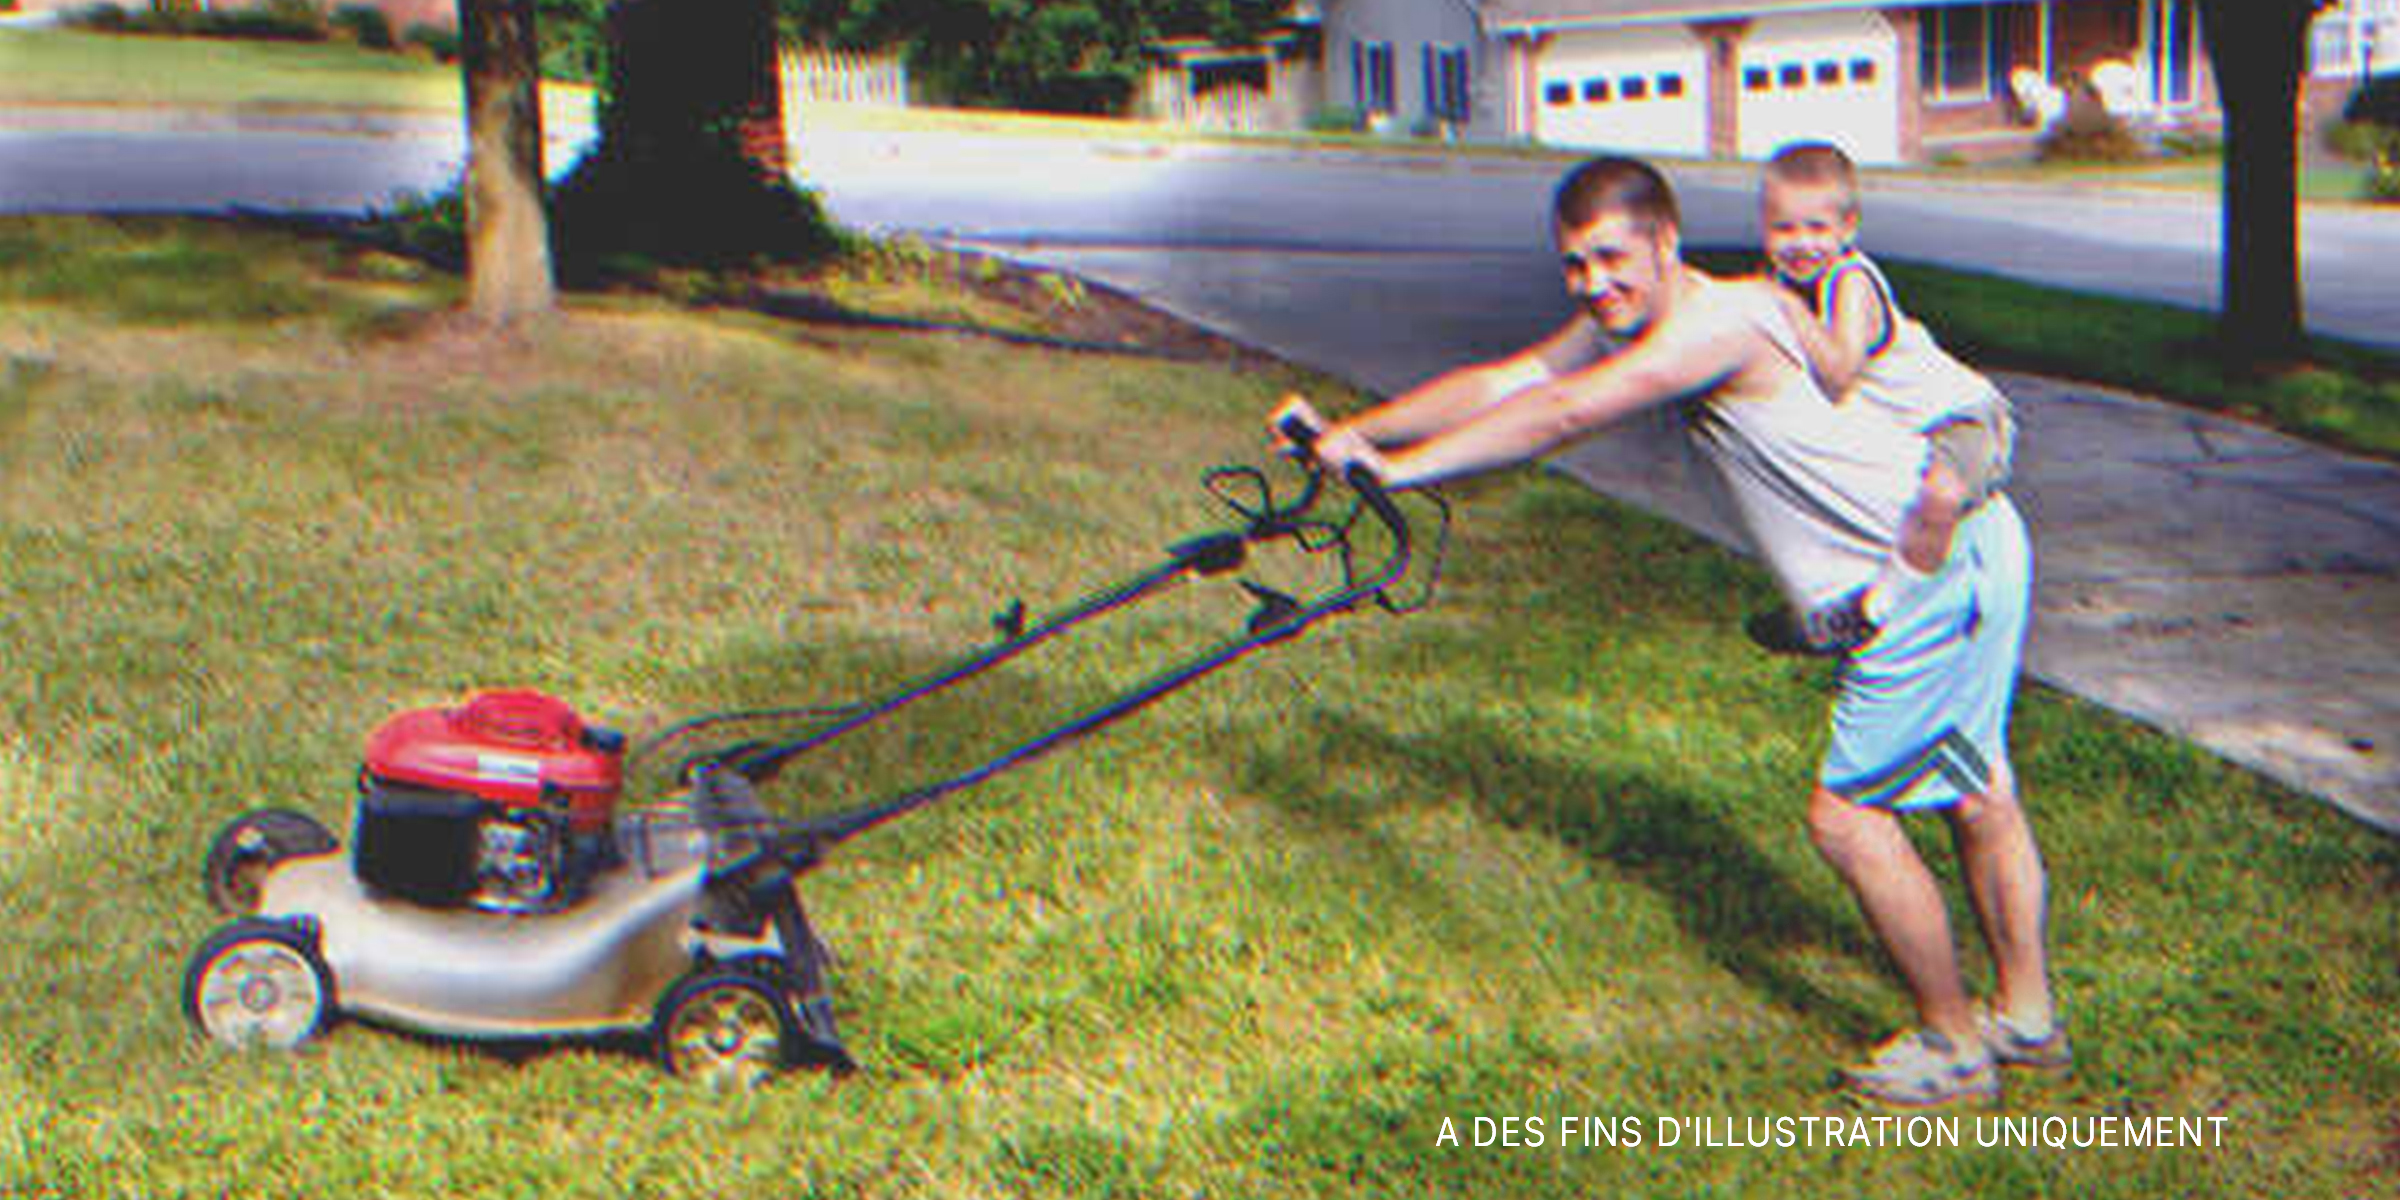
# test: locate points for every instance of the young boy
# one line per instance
(1864, 350)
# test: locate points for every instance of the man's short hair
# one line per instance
(1614, 183)
(1815, 164)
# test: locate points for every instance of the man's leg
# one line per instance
(1867, 848)
(2010, 890)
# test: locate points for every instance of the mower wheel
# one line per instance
(727, 1028)
(252, 844)
(259, 983)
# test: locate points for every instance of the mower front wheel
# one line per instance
(726, 1028)
(247, 848)
(259, 983)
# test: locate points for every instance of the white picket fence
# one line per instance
(812, 75)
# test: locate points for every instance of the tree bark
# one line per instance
(508, 236)
(2257, 48)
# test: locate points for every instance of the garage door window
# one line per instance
(1595, 91)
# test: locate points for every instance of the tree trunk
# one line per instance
(2257, 49)
(508, 236)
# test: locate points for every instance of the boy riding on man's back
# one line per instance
(1864, 350)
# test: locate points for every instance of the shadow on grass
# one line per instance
(1735, 904)
(151, 271)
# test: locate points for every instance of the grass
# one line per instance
(1535, 852)
(72, 66)
(2345, 395)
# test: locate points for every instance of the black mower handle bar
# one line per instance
(1301, 426)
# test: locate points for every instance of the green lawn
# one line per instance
(1536, 852)
(78, 67)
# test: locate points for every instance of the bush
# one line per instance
(440, 41)
(2376, 102)
(2089, 133)
(694, 202)
(2383, 181)
(103, 18)
(1336, 118)
(365, 25)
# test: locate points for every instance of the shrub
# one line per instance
(693, 202)
(272, 21)
(2383, 180)
(365, 25)
(2189, 144)
(2090, 133)
(1336, 118)
(104, 18)
(440, 41)
(2361, 141)
(2375, 102)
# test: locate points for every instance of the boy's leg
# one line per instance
(1943, 497)
(1969, 459)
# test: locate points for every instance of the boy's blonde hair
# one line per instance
(1815, 164)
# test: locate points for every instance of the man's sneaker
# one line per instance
(1923, 1069)
(2011, 1046)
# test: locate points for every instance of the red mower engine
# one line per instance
(503, 803)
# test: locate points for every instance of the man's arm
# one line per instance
(1461, 395)
(1700, 346)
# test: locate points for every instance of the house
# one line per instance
(1737, 78)
(1272, 85)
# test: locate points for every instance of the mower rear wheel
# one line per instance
(259, 983)
(726, 1028)
(250, 846)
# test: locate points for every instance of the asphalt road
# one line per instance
(1482, 215)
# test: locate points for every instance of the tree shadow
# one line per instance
(1734, 902)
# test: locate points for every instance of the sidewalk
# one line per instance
(2222, 582)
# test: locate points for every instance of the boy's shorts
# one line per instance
(1921, 720)
(1979, 445)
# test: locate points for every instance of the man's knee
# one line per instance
(1992, 807)
(1839, 826)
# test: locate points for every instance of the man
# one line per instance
(1921, 719)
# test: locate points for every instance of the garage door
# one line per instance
(1639, 91)
(1824, 76)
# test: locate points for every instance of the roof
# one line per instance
(1503, 16)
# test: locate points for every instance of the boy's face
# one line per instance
(1808, 226)
(1618, 268)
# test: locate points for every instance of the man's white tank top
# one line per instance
(1819, 488)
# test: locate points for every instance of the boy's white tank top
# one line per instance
(1910, 376)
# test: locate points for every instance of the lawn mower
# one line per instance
(495, 888)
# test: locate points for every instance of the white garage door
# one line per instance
(1639, 91)
(1831, 77)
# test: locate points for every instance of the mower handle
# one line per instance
(1300, 424)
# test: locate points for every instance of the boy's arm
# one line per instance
(1460, 395)
(1855, 325)
(1694, 350)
